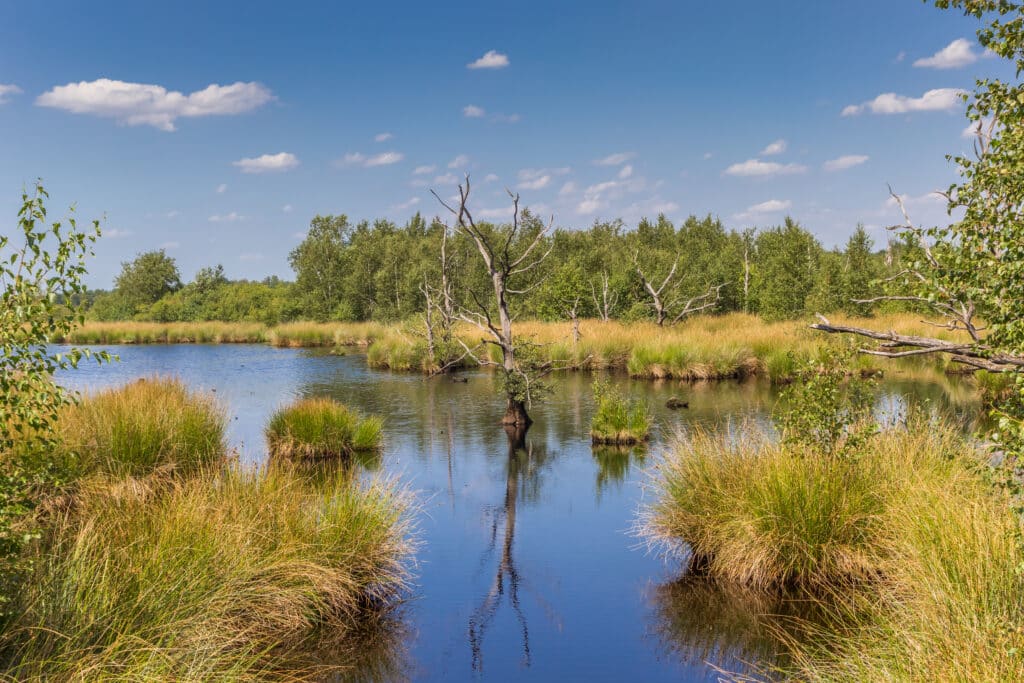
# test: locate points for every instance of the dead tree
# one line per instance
(506, 269)
(608, 299)
(573, 313)
(439, 312)
(956, 311)
(662, 308)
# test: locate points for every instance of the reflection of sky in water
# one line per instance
(554, 520)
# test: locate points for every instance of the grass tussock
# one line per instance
(221, 576)
(321, 428)
(619, 420)
(148, 424)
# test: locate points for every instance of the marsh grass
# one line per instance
(140, 427)
(131, 332)
(320, 428)
(227, 575)
(619, 420)
(310, 334)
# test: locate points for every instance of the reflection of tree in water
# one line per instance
(522, 481)
(731, 628)
(613, 463)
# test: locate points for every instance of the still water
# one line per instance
(528, 568)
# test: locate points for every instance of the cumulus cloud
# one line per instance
(777, 147)
(770, 206)
(495, 214)
(424, 170)
(460, 160)
(142, 104)
(625, 171)
(360, 159)
(939, 99)
(382, 137)
(267, 163)
(287, 208)
(446, 179)
(117, 234)
(764, 169)
(844, 162)
(616, 159)
(232, 217)
(589, 206)
(535, 183)
(567, 189)
(492, 59)
(490, 177)
(6, 90)
(471, 111)
(408, 204)
(955, 55)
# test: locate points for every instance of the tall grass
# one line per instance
(227, 575)
(318, 428)
(166, 333)
(308, 334)
(619, 420)
(142, 426)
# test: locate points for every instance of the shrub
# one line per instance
(316, 428)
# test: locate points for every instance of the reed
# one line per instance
(148, 424)
(321, 428)
(228, 575)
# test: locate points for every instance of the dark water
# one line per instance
(528, 569)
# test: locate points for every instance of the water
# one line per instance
(529, 569)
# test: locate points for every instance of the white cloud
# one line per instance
(267, 163)
(958, 53)
(535, 183)
(222, 188)
(708, 155)
(226, 218)
(495, 214)
(490, 178)
(360, 159)
(900, 56)
(6, 90)
(382, 137)
(939, 99)
(625, 171)
(460, 160)
(909, 202)
(777, 147)
(567, 189)
(614, 159)
(589, 206)
(250, 256)
(170, 245)
(758, 168)
(287, 208)
(471, 111)
(971, 131)
(844, 162)
(446, 179)
(424, 170)
(141, 104)
(117, 234)
(408, 204)
(173, 213)
(770, 206)
(506, 118)
(663, 207)
(492, 59)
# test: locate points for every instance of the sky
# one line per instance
(216, 131)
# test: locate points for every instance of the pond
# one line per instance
(528, 569)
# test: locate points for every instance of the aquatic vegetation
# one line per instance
(767, 514)
(618, 420)
(228, 575)
(140, 427)
(316, 428)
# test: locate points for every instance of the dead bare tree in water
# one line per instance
(508, 263)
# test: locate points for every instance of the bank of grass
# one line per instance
(131, 332)
(920, 553)
(145, 425)
(226, 575)
(618, 420)
(309, 334)
(321, 428)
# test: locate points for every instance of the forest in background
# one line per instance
(379, 271)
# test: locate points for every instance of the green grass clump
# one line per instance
(142, 426)
(618, 420)
(318, 428)
(765, 514)
(228, 575)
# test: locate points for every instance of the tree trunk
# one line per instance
(515, 414)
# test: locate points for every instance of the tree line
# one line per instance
(658, 270)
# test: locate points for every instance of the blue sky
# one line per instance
(746, 110)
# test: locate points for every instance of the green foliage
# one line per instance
(44, 267)
(618, 420)
(787, 264)
(824, 413)
(148, 277)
